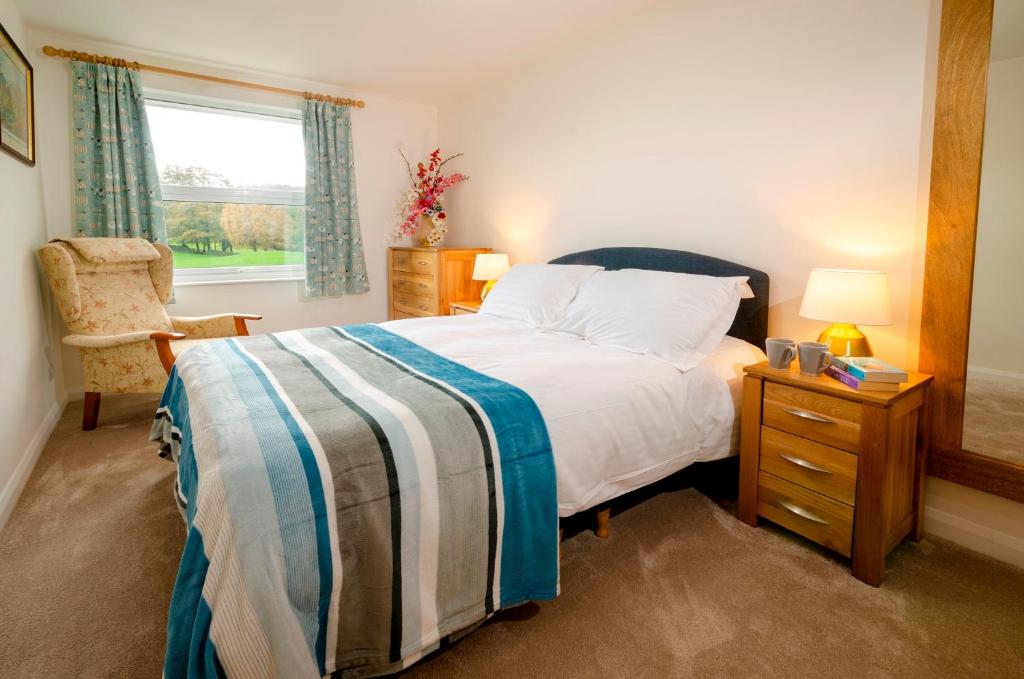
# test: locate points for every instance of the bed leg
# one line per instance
(604, 516)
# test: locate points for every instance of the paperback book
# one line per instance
(870, 369)
(849, 380)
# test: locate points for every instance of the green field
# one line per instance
(190, 260)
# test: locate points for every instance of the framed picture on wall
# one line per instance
(17, 102)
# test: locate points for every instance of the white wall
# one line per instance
(380, 177)
(996, 310)
(782, 135)
(28, 405)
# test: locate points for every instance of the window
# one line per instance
(233, 184)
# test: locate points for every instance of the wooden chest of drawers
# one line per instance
(841, 467)
(424, 281)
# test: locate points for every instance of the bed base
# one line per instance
(602, 524)
(603, 528)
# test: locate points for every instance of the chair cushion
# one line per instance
(113, 250)
(180, 346)
(119, 302)
(104, 285)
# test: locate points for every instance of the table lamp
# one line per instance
(490, 268)
(847, 298)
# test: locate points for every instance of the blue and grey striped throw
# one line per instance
(350, 499)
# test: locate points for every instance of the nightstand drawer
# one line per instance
(818, 417)
(413, 283)
(818, 467)
(816, 517)
(414, 262)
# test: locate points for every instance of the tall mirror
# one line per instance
(994, 396)
(972, 315)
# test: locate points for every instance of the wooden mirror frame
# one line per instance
(960, 99)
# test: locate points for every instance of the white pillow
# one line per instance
(536, 293)
(678, 317)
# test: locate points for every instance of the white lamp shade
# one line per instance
(489, 267)
(847, 296)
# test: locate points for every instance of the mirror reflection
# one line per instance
(994, 400)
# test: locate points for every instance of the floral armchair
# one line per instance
(111, 293)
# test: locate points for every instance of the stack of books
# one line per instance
(866, 373)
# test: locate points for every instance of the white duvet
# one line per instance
(617, 420)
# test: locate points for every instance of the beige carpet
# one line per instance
(681, 588)
(994, 418)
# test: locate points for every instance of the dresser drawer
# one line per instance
(397, 315)
(816, 517)
(412, 261)
(818, 417)
(815, 466)
(420, 285)
(411, 304)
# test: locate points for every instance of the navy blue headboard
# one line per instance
(751, 322)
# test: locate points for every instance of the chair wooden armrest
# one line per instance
(240, 319)
(163, 347)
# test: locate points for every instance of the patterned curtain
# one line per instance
(334, 245)
(117, 188)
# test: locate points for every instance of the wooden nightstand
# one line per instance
(839, 466)
(464, 307)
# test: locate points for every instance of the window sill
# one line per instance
(234, 275)
(237, 281)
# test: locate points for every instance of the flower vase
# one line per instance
(423, 229)
(429, 234)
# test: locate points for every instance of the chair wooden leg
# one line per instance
(91, 410)
(604, 515)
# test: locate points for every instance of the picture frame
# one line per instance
(17, 102)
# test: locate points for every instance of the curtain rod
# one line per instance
(51, 51)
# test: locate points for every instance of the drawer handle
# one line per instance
(809, 416)
(421, 285)
(805, 464)
(803, 513)
(423, 308)
(422, 263)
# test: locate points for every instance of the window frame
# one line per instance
(213, 194)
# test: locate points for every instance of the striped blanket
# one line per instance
(350, 499)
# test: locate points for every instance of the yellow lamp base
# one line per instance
(845, 339)
(487, 288)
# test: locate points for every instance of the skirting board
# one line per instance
(974, 536)
(12, 491)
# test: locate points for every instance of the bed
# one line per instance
(354, 495)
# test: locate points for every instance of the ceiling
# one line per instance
(418, 49)
(1007, 30)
